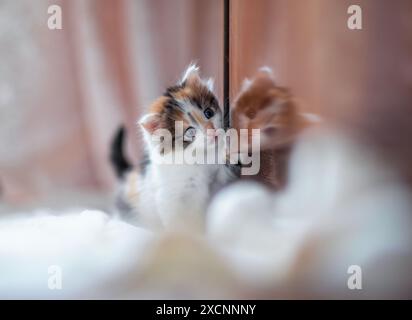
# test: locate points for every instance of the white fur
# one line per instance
(210, 84)
(175, 196)
(145, 118)
(269, 71)
(87, 245)
(266, 69)
(342, 207)
(246, 84)
(191, 69)
(311, 117)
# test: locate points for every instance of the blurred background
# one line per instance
(64, 92)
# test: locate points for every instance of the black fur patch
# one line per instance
(117, 158)
(169, 91)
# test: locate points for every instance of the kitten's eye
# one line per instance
(209, 113)
(190, 134)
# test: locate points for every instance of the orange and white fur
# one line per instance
(263, 104)
(176, 195)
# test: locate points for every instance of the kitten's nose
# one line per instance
(210, 129)
(211, 132)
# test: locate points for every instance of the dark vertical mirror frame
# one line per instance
(226, 63)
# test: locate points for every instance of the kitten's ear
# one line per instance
(266, 69)
(150, 122)
(246, 84)
(191, 75)
(210, 84)
(263, 72)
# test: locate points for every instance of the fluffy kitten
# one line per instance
(264, 105)
(174, 195)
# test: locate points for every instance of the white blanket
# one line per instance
(343, 210)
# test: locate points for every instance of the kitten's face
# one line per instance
(263, 105)
(193, 103)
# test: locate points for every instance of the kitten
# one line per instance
(174, 195)
(264, 105)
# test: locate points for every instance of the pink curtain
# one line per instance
(360, 80)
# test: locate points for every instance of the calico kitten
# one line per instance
(264, 105)
(174, 195)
